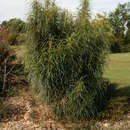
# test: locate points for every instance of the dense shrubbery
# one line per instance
(64, 58)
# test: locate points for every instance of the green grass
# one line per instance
(118, 69)
(118, 72)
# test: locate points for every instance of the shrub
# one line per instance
(64, 58)
(12, 38)
(4, 51)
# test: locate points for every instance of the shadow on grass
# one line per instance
(118, 106)
(123, 91)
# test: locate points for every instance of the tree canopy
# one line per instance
(120, 20)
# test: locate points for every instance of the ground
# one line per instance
(23, 111)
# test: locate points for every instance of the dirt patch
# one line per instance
(25, 112)
(12, 113)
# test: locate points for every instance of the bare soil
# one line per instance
(25, 112)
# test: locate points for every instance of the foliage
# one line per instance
(119, 20)
(4, 51)
(15, 25)
(64, 58)
(11, 71)
(16, 29)
(12, 38)
(21, 38)
(4, 35)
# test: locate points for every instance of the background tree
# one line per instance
(127, 36)
(16, 25)
(4, 24)
(16, 28)
(119, 20)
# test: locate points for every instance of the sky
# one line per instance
(20, 8)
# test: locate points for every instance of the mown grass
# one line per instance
(118, 69)
(118, 72)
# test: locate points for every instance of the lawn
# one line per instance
(118, 69)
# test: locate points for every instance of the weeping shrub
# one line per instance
(64, 58)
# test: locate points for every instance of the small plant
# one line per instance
(64, 58)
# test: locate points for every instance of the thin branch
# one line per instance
(10, 70)
(5, 75)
